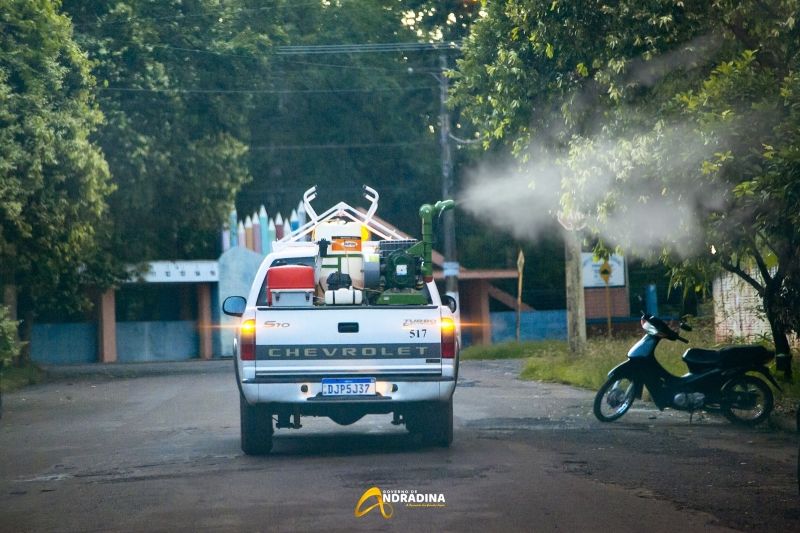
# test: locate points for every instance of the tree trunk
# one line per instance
(25, 331)
(782, 349)
(10, 301)
(769, 291)
(25, 316)
(576, 314)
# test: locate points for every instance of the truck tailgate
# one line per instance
(372, 341)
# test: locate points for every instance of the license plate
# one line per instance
(348, 387)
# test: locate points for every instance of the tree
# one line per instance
(201, 111)
(53, 178)
(666, 114)
(171, 76)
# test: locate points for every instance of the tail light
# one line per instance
(448, 338)
(247, 340)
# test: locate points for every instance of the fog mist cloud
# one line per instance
(631, 190)
(637, 191)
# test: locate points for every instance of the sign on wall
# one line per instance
(595, 270)
(181, 272)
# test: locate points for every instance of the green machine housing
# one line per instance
(405, 266)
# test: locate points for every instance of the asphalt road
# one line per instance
(161, 453)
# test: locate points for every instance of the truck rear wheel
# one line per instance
(256, 423)
(433, 422)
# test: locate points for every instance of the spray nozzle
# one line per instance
(443, 205)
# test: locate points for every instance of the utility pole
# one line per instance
(451, 264)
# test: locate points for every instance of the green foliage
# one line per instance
(541, 69)
(177, 153)
(53, 178)
(9, 343)
(683, 114)
(17, 377)
(342, 120)
(200, 112)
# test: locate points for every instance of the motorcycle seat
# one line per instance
(701, 357)
(727, 357)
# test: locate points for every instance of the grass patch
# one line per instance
(514, 350)
(552, 361)
(13, 378)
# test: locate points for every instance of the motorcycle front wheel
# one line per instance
(614, 399)
(747, 400)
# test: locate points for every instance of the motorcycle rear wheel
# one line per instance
(614, 399)
(747, 400)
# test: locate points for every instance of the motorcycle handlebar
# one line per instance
(664, 328)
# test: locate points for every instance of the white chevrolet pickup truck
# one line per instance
(343, 319)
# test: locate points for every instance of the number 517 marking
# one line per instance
(418, 333)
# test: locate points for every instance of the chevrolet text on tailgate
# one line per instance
(343, 320)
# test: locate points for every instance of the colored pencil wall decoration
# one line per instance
(272, 233)
(263, 226)
(248, 232)
(240, 233)
(256, 233)
(278, 227)
(226, 239)
(232, 224)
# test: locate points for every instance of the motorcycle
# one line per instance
(718, 380)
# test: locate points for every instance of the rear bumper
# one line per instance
(308, 390)
(306, 378)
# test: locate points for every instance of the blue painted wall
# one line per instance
(64, 343)
(136, 341)
(157, 341)
(534, 325)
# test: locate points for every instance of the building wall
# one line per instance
(75, 343)
(237, 268)
(737, 310)
(595, 302)
(69, 343)
(534, 325)
(157, 341)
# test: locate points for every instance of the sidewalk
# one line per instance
(135, 370)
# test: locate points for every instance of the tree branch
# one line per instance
(740, 33)
(762, 265)
(767, 243)
(735, 269)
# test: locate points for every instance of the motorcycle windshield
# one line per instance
(645, 347)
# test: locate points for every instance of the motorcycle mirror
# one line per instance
(685, 327)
